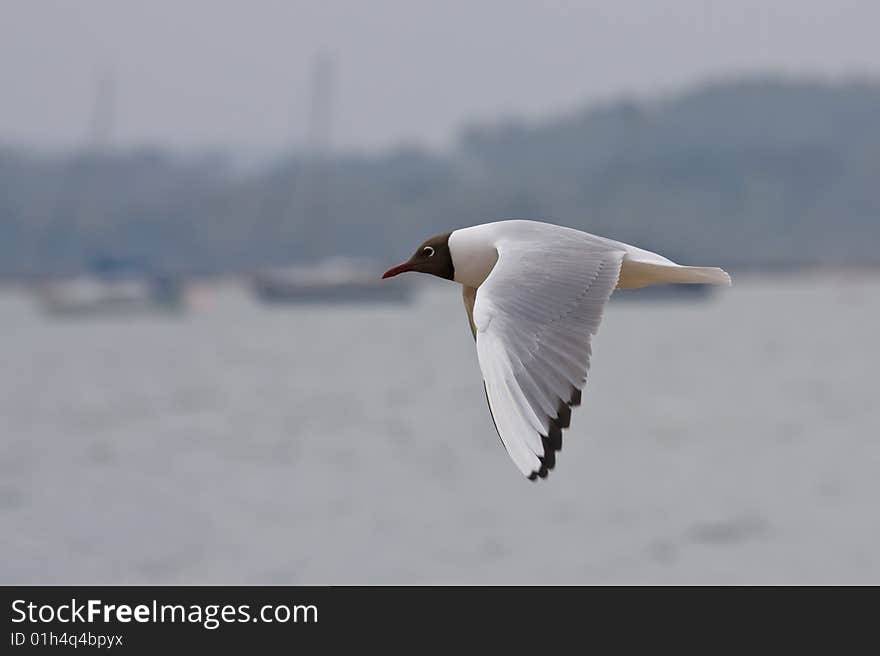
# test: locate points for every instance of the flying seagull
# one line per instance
(534, 295)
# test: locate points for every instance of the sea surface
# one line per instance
(732, 440)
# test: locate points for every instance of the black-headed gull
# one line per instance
(534, 294)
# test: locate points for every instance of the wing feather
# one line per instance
(533, 318)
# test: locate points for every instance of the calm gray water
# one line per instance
(735, 441)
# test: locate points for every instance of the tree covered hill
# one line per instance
(751, 172)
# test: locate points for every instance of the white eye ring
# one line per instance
(428, 250)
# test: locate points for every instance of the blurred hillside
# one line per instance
(755, 172)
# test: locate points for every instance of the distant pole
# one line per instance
(89, 217)
(321, 107)
(78, 221)
(318, 149)
(103, 116)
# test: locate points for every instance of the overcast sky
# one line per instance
(203, 73)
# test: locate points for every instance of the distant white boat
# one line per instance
(89, 296)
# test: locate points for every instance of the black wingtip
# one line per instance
(563, 415)
(549, 460)
(553, 439)
(552, 442)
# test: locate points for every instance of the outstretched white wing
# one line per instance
(534, 316)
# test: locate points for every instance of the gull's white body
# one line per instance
(535, 294)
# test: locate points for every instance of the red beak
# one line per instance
(393, 271)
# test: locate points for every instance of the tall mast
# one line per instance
(103, 115)
(318, 148)
(321, 107)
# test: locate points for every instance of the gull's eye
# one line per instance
(428, 250)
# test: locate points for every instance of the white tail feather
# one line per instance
(705, 275)
(635, 274)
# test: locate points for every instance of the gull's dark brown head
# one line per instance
(432, 257)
